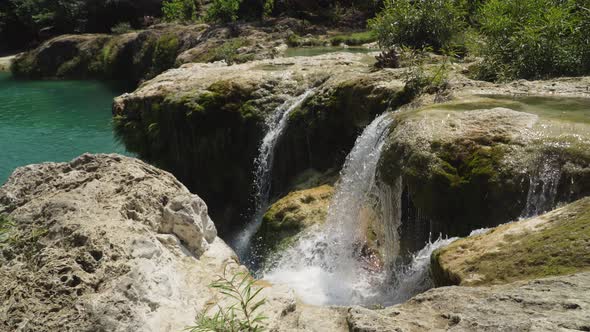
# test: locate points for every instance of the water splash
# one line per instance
(543, 187)
(326, 265)
(276, 124)
(414, 278)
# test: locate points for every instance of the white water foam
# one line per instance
(326, 266)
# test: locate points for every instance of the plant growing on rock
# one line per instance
(241, 316)
(223, 11)
(180, 10)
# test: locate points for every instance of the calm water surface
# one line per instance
(53, 121)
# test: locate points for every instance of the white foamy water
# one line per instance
(276, 124)
(326, 266)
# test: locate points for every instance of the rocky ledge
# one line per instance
(554, 304)
(109, 243)
(556, 243)
(458, 162)
(104, 243)
(205, 122)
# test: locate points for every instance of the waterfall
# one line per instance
(276, 124)
(327, 265)
(542, 189)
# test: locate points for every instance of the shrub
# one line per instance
(121, 28)
(241, 316)
(180, 10)
(533, 39)
(223, 11)
(418, 24)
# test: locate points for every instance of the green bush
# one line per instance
(180, 10)
(534, 39)
(223, 11)
(121, 28)
(418, 24)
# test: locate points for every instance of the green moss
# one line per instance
(354, 39)
(284, 221)
(165, 52)
(561, 247)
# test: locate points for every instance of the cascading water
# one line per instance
(327, 266)
(542, 189)
(276, 123)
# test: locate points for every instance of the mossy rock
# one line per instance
(291, 215)
(205, 122)
(556, 243)
(130, 57)
(465, 170)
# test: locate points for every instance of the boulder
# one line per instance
(556, 243)
(104, 243)
(459, 162)
(291, 215)
(553, 304)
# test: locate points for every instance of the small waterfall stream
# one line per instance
(276, 124)
(542, 192)
(327, 266)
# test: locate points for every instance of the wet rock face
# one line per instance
(552, 244)
(459, 167)
(205, 122)
(104, 243)
(542, 305)
(287, 218)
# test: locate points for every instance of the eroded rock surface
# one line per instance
(553, 244)
(555, 304)
(104, 243)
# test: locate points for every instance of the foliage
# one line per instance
(180, 10)
(354, 39)
(121, 28)
(240, 316)
(223, 11)
(419, 77)
(26, 21)
(534, 39)
(433, 23)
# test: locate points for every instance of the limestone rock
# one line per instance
(555, 304)
(109, 243)
(460, 161)
(291, 215)
(553, 244)
(204, 122)
(104, 243)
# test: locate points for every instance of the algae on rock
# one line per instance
(556, 243)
